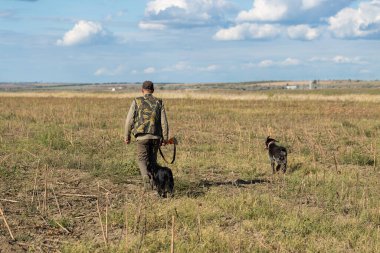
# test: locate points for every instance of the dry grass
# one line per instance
(201, 95)
(226, 199)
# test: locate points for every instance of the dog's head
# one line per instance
(269, 141)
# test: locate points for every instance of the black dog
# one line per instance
(161, 178)
(277, 154)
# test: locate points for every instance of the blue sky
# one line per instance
(188, 40)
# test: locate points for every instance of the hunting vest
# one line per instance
(147, 116)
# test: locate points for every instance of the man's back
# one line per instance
(147, 119)
(147, 116)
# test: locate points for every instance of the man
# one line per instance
(147, 119)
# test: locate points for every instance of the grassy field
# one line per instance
(68, 183)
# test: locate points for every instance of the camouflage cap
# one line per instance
(148, 85)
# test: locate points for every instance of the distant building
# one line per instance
(291, 87)
(313, 85)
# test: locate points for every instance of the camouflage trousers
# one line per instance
(146, 156)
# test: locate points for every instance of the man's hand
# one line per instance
(127, 141)
(164, 142)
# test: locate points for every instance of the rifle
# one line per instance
(172, 141)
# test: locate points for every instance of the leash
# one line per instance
(174, 142)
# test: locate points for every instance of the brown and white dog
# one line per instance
(277, 154)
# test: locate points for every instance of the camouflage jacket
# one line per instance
(147, 119)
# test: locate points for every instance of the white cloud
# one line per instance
(151, 26)
(266, 63)
(290, 62)
(285, 63)
(303, 32)
(296, 10)
(339, 59)
(84, 32)
(150, 70)
(343, 59)
(265, 10)
(363, 22)
(110, 72)
(157, 6)
(248, 31)
(179, 13)
(296, 19)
